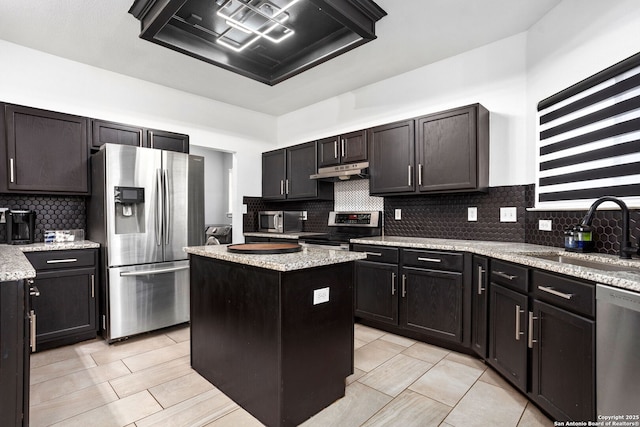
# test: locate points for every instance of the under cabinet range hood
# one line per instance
(343, 172)
(265, 40)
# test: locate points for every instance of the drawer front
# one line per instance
(565, 292)
(49, 260)
(378, 253)
(436, 260)
(511, 275)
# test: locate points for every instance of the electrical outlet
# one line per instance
(472, 213)
(244, 208)
(509, 214)
(545, 225)
(398, 214)
(304, 215)
(320, 296)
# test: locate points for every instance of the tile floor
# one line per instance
(147, 381)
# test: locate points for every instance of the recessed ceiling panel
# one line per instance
(266, 40)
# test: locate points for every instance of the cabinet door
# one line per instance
(274, 173)
(301, 163)
(391, 158)
(479, 306)
(431, 302)
(446, 151)
(376, 291)
(66, 307)
(507, 334)
(116, 133)
(46, 151)
(168, 141)
(328, 152)
(353, 147)
(563, 363)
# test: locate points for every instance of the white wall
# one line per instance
(216, 184)
(32, 78)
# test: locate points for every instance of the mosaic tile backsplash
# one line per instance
(52, 212)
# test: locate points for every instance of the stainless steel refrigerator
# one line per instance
(145, 206)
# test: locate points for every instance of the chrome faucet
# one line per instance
(626, 250)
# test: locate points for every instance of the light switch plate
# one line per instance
(545, 225)
(244, 208)
(509, 214)
(304, 215)
(397, 215)
(472, 213)
(320, 296)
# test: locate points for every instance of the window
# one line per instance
(589, 141)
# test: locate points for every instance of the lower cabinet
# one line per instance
(65, 308)
(376, 293)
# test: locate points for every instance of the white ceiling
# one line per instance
(413, 34)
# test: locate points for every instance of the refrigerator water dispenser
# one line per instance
(129, 210)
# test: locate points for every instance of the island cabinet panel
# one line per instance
(259, 336)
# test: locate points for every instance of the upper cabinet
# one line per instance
(285, 174)
(44, 151)
(168, 141)
(444, 152)
(103, 132)
(347, 148)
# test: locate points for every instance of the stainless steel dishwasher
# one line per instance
(618, 353)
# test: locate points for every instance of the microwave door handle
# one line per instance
(167, 207)
(158, 205)
(275, 222)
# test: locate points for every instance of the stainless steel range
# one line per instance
(345, 226)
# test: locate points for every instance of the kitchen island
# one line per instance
(273, 332)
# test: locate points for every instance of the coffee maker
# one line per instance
(20, 227)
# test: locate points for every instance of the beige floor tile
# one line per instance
(466, 359)
(180, 389)
(61, 368)
(70, 405)
(365, 333)
(492, 377)
(180, 333)
(157, 356)
(427, 352)
(118, 413)
(374, 354)
(358, 405)
(70, 383)
(151, 377)
(393, 376)
(67, 352)
(131, 347)
(446, 382)
(397, 339)
(487, 405)
(357, 374)
(410, 409)
(237, 418)
(198, 411)
(533, 417)
(358, 343)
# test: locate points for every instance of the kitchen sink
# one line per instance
(581, 262)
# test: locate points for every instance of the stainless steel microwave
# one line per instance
(279, 221)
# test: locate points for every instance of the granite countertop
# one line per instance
(307, 258)
(291, 235)
(526, 254)
(15, 266)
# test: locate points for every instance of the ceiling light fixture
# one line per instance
(262, 21)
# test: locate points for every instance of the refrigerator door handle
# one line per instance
(158, 205)
(167, 207)
(148, 272)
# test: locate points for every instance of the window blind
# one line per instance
(589, 140)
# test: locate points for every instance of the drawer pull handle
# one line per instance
(429, 259)
(404, 285)
(518, 333)
(504, 275)
(93, 286)
(531, 319)
(32, 332)
(373, 253)
(61, 261)
(480, 273)
(393, 283)
(552, 291)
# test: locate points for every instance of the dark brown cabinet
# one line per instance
(438, 153)
(14, 348)
(347, 148)
(103, 132)
(66, 306)
(479, 304)
(169, 141)
(285, 174)
(44, 151)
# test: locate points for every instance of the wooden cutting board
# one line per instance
(264, 248)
